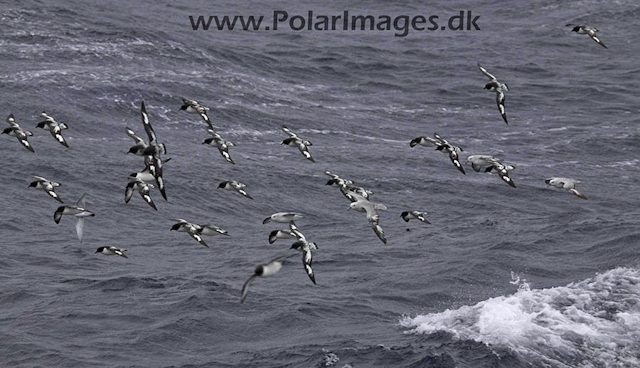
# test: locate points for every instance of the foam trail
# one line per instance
(591, 323)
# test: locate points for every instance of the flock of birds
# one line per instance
(152, 175)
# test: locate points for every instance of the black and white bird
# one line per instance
(588, 30)
(144, 175)
(336, 180)
(566, 183)
(295, 141)
(112, 251)
(193, 107)
(223, 145)
(235, 186)
(362, 204)
(15, 130)
(411, 215)
(280, 234)
(155, 150)
(442, 145)
(78, 211)
(262, 270)
(283, 217)
(304, 246)
(143, 188)
(498, 88)
(347, 187)
(47, 185)
(295, 231)
(55, 128)
(196, 231)
(140, 146)
(491, 164)
(307, 259)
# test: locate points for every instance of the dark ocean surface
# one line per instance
(504, 277)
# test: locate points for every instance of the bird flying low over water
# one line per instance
(196, 231)
(347, 187)
(410, 215)
(566, 183)
(78, 211)
(193, 107)
(143, 188)
(588, 30)
(362, 204)
(236, 186)
(283, 217)
(441, 145)
(112, 251)
(15, 130)
(262, 270)
(491, 164)
(46, 185)
(295, 141)
(222, 144)
(304, 246)
(498, 88)
(155, 150)
(336, 180)
(53, 127)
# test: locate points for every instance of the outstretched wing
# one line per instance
(245, 288)
(595, 38)
(500, 102)
(305, 151)
(290, 132)
(82, 202)
(12, 121)
(453, 156)
(307, 259)
(485, 72)
(80, 227)
(147, 125)
(194, 234)
(128, 191)
(379, 232)
(135, 137)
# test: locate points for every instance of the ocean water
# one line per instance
(503, 277)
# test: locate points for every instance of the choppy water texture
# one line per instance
(435, 296)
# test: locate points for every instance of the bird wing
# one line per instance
(147, 125)
(595, 38)
(147, 198)
(304, 150)
(128, 191)
(574, 191)
(500, 102)
(379, 232)
(56, 133)
(135, 137)
(80, 227)
(194, 233)
(485, 72)
(453, 156)
(290, 132)
(245, 288)
(12, 121)
(82, 202)
(307, 259)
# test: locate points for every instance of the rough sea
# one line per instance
(506, 277)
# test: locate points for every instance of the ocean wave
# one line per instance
(591, 323)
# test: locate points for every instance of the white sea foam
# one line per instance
(591, 323)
